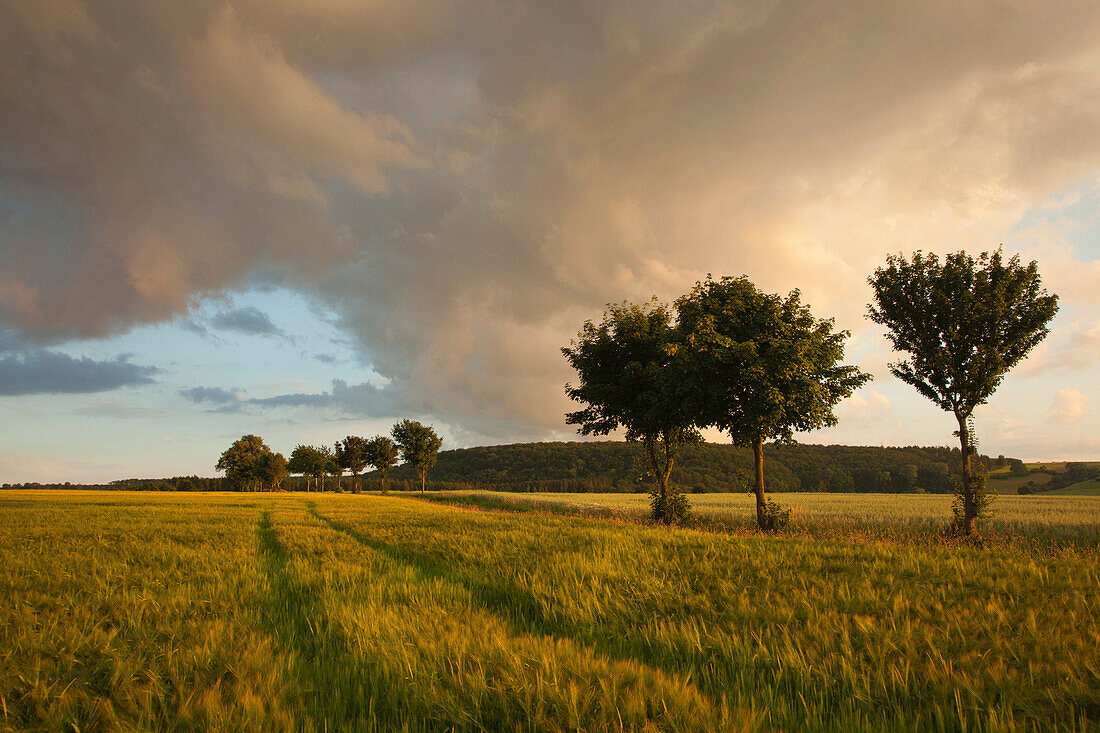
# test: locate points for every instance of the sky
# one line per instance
(307, 219)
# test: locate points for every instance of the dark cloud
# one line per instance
(361, 400)
(358, 400)
(27, 369)
(466, 182)
(211, 395)
(249, 320)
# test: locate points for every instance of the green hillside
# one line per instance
(616, 466)
(1085, 488)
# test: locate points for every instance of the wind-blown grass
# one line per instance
(1045, 521)
(301, 612)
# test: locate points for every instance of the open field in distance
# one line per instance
(1085, 488)
(1017, 511)
(297, 612)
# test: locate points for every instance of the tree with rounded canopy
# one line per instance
(381, 454)
(351, 454)
(627, 380)
(241, 461)
(963, 323)
(272, 469)
(298, 463)
(419, 446)
(759, 366)
(307, 461)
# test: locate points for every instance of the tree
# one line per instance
(312, 463)
(628, 381)
(328, 465)
(351, 454)
(419, 446)
(241, 461)
(381, 454)
(1076, 472)
(760, 367)
(272, 469)
(300, 462)
(963, 323)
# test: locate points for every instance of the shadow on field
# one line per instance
(336, 692)
(524, 614)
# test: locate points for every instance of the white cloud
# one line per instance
(1069, 405)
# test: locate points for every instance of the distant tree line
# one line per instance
(614, 466)
(250, 465)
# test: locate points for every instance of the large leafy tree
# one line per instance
(963, 324)
(272, 470)
(351, 455)
(241, 461)
(381, 454)
(419, 446)
(307, 461)
(759, 366)
(627, 379)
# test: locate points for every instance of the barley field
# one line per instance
(1021, 513)
(128, 611)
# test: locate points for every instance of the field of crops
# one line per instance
(314, 612)
(1010, 513)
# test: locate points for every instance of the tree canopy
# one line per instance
(241, 460)
(250, 464)
(627, 379)
(758, 366)
(351, 454)
(311, 462)
(272, 469)
(419, 446)
(963, 323)
(381, 454)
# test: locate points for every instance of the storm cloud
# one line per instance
(26, 369)
(465, 183)
(249, 321)
(211, 395)
(355, 399)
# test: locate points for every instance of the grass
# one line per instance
(1021, 520)
(1085, 488)
(1058, 465)
(307, 612)
(1005, 484)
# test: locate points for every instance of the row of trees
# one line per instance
(760, 367)
(752, 364)
(252, 466)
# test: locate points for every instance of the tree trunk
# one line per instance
(423, 480)
(758, 458)
(969, 508)
(383, 481)
(662, 481)
(669, 460)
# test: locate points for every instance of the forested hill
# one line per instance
(617, 466)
